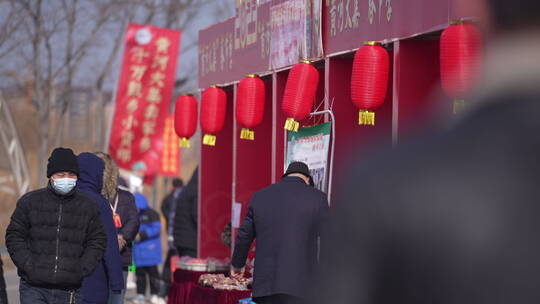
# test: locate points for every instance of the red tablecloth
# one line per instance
(182, 276)
(186, 290)
(205, 295)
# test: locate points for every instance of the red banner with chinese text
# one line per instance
(143, 97)
(170, 158)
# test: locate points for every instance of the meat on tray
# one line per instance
(220, 281)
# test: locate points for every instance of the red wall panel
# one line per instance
(253, 159)
(353, 142)
(215, 188)
(419, 98)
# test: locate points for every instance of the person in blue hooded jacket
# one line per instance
(108, 274)
(147, 250)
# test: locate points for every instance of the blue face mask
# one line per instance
(64, 185)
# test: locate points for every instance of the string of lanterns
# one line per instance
(460, 52)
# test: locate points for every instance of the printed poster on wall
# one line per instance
(295, 27)
(310, 145)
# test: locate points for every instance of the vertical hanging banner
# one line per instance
(310, 145)
(170, 157)
(143, 97)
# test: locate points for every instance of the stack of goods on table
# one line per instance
(221, 282)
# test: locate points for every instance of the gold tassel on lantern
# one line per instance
(209, 140)
(459, 105)
(184, 142)
(247, 134)
(366, 118)
(292, 125)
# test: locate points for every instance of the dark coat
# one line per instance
(55, 240)
(130, 223)
(108, 274)
(286, 219)
(186, 217)
(452, 218)
(147, 250)
(168, 205)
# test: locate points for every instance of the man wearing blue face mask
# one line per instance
(56, 236)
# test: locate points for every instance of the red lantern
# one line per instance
(461, 46)
(213, 110)
(369, 80)
(299, 94)
(250, 105)
(185, 118)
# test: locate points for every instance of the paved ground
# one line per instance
(12, 288)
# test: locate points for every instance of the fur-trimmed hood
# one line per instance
(110, 176)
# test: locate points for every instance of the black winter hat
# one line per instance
(299, 167)
(62, 159)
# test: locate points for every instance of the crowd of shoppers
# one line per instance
(74, 240)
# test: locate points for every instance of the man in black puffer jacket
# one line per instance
(56, 236)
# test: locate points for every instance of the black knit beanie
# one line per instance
(62, 159)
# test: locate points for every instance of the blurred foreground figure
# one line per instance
(455, 218)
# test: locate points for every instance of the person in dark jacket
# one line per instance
(168, 205)
(147, 250)
(56, 235)
(125, 215)
(286, 219)
(186, 218)
(3, 294)
(168, 209)
(108, 275)
(452, 217)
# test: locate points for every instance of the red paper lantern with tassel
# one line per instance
(299, 94)
(461, 47)
(369, 80)
(213, 110)
(250, 105)
(185, 118)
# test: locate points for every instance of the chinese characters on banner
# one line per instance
(295, 32)
(143, 97)
(170, 157)
(290, 30)
(215, 54)
(346, 14)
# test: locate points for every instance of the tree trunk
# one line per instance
(43, 148)
(98, 146)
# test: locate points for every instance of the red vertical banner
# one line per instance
(143, 97)
(170, 158)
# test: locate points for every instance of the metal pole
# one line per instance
(113, 101)
(332, 149)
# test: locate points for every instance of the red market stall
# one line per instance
(258, 41)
